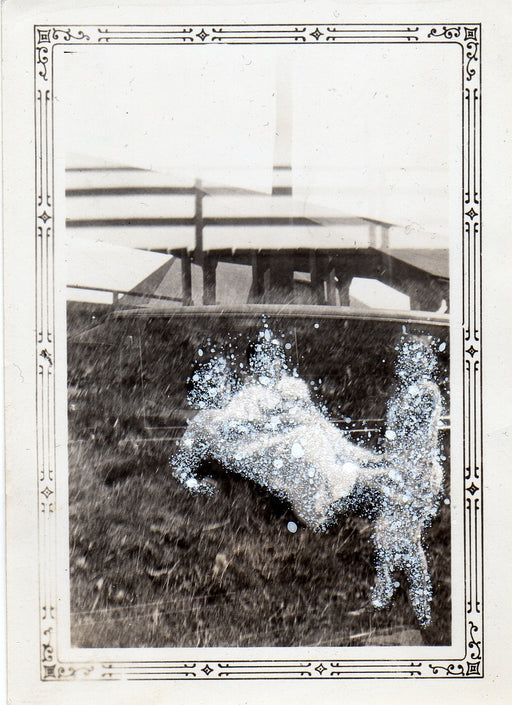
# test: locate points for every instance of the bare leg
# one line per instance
(387, 562)
(194, 448)
(384, 589)
(420, 587)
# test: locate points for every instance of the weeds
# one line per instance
(152, 565)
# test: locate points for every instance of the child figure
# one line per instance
(411, 488)
(270, 431)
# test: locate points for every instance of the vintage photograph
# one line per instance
(256, 352)
(262, 274)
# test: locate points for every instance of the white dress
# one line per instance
(271, 432)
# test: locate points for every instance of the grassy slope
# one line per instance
(153, 566)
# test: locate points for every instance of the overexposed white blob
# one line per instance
(267, 428)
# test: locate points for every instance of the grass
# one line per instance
(152, 565)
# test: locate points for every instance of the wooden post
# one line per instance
(198, 254)
(258, 283)
(373, 235)
(209, 279)
(344, 282)
(330, 282)
(385, 237)
(267, 284)
(186, 278)
(317, 285)
(343, 289)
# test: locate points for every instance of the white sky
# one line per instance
(375, 128)
(190, 112)
(377, 133)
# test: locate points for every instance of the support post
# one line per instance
(209, 279)
(385, 237)
(330, 285)
(258, 274)
(317, 285)
(186, 278)
(344, 282)
(198, 254)
(373, 235)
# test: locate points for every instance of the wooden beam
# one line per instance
(385, 237)
(373, 235)
(186, 278)
(209, 279)
(317, 284)
(199, 222)
(330, 285)
(258, 278)
(343, 290)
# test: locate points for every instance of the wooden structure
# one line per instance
(260, 231)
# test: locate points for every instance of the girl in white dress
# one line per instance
(270, 431)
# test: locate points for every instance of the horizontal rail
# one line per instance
(250, 221)
(294, 311)
(125, 292)
(95, 191)
(132, 191)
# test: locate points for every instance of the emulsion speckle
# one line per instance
(266, 427)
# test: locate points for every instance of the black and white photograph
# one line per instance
(258, 342)
(258, 353)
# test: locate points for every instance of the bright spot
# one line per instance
(390, 435)
(297, 450)
(292, 527)
(278, 463)
(317, 325)
(200, 352)
(447, 501)
(350, 468)
(442, 347)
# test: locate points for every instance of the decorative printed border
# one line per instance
(467, 37)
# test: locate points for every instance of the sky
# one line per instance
(369, 130)
(373, 130)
